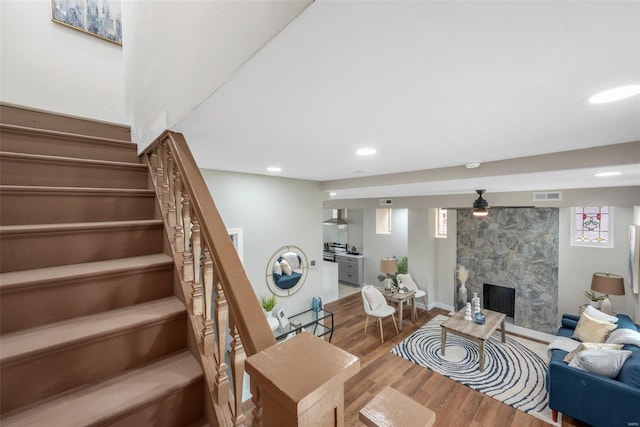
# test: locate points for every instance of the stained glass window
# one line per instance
(592, 226)
(441, 223)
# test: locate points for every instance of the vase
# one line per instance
(462, 294)
(467, 313)
(475, 302)
(316, 304)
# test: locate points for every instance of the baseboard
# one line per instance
(437, 304)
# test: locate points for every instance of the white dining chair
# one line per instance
(407, 281)
(376, 305)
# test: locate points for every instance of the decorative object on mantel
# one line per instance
(463, 276)
(480, 205)
(467, 313)
(475, 302)
(594, 300)
(608, 284)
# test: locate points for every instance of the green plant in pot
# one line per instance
(595, 300)
(268, 303)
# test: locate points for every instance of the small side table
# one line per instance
(322, 322)
(390, 408)
(400, 298)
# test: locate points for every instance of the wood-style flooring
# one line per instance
(454, 404)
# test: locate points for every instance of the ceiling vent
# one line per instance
(386, 202)
(547, 196)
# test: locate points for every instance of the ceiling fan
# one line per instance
(480, 205)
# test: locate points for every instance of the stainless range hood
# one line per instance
(337, 220)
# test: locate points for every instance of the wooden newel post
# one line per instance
(301, 381)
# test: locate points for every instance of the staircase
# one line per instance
(91, 332)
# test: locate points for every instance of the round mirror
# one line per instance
(286, 270)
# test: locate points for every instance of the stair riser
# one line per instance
(177, 409)
(70, 174)
(46, 374)
(20, 208)
(53, 302)
(19, 142)
(37, 250)
(45, 120)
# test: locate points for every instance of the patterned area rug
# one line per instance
(513, 373)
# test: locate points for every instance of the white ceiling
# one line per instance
(429, 84)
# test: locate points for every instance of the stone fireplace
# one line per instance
(516, 248)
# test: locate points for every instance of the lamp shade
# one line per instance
(608, 284)
(389, 265)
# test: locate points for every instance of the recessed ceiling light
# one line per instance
(332, 193)
(615, 94)
(274, 169)
(601, 174)
(366, 151)
(472, 165)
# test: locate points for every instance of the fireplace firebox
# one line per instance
(499, 298)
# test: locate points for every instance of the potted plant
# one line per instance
(268, 303)
(594, 299)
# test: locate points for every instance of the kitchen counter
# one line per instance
(351, 255)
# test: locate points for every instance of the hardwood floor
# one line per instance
(454, 404)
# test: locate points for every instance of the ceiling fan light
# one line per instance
(480, 211)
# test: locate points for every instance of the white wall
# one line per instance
(356, 226)
(577, 265)
(377, 246)
(273, 212)
(48, 66)
(176, 53)
(636, 298)
(420, 250)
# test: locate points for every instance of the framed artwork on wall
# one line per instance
(100, 18)
(634, 258)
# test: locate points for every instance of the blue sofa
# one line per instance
(591, 398)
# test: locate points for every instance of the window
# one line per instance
(441, 223)
(383, 221)
(592, 226)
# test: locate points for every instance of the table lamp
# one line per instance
(389, 266)
(608, 284)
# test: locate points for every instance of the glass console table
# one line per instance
(320, 323)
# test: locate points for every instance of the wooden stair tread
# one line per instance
(109, 399)
(48, 275)
(77, 226)
(54, 134)
(24, 343)
(34, 189)
(74, 160)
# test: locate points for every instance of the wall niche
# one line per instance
(515, 248)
